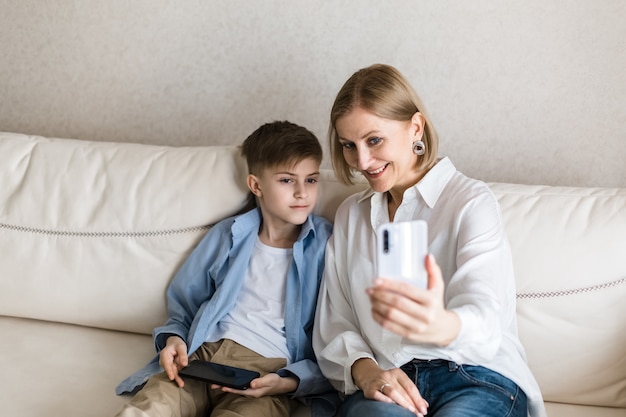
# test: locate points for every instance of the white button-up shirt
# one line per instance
(467, 238)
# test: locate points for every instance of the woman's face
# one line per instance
(381, 149)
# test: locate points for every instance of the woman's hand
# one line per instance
(270, 384)
(173, 357)
(392, 386)
(416, 314)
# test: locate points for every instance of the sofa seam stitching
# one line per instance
(563, 293)
(69, 233)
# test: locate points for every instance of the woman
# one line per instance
(396, 350)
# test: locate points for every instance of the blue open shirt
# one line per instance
(206, 287)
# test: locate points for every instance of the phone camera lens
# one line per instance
(385, 241)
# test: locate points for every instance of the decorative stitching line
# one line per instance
(552, 294)
(153, 233)
(67, 233)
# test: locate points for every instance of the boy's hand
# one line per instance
(270, 384)
(173, 357)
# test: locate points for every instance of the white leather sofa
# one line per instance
(91, 233)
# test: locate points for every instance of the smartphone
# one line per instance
(401, 250)
(215, 373)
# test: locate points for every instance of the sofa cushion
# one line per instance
(58, 369)
(92, 232)
(571, 410)
(81, 367)
(568, 249)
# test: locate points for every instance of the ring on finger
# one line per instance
(383, 386)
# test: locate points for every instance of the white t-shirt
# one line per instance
(258, 319)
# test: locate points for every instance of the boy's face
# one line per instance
(286, 194)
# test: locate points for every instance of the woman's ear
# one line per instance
(253, 185)
(418, 122)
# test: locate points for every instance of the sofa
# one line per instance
(92, 232)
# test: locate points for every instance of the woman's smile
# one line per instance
(377, 172)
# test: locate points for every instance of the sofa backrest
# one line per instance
(569, 254)
(91, 233)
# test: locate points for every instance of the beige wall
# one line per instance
(521, 91)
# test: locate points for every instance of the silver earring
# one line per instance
(419, 148)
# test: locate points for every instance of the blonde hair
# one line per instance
(384, 91)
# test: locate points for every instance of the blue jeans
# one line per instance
(451, 391)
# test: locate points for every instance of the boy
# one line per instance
(229, 301)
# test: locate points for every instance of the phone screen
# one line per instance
(228, 376)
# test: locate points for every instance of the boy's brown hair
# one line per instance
(280, 143)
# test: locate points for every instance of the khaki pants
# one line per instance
(162, 397)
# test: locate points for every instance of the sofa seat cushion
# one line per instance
(570, 410)
(69, 370)
(56, 369)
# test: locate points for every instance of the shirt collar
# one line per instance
(431, 186)
(244, 223)
(307, 228)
